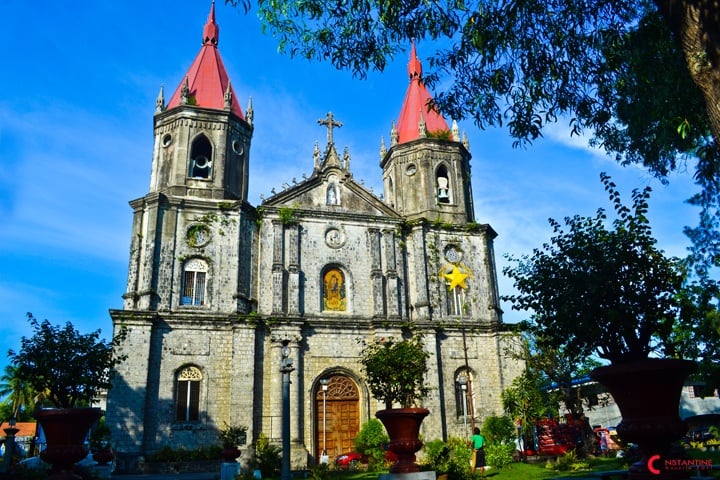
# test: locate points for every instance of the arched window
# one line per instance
(333, 290)
(443, 185)
(194, 281)
(456, 304)
(463, 393)
(187, 407)
(390, 193)
(201, 154)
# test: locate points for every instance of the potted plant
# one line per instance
(100, 443)
(609, 292)
(231, 436)
(69, 369)
(395, 374)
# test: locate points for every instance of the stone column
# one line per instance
(376, 279)
(277, 268)
(391, 275)
(293, 287)
(421, 302)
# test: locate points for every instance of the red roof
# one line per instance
(416, 104)
(25, 429)
(207, 78)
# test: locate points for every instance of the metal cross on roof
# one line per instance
(330, 123)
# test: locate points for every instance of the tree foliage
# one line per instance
(371, 442)
(546, 369)
(599, 290)
(642, 77)
(69, 368)
(527, 399)
(395, 370)
(16, 390)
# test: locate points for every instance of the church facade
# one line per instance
(216, 286)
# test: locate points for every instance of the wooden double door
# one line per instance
(338, 417)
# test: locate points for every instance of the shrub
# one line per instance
(452, 458)
(371, 442)
(499, 455)
(267, 457)
(568, 462)
(498, 429)
(320, 472)
(169, 454)
(437, 456)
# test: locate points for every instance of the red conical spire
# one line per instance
(207, 80)
(415, 105)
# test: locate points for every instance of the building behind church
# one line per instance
(216, 285)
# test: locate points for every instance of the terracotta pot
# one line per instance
(403, 428)
(65, 432)
(230, 454)
(648, 396)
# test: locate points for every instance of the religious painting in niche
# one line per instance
(334, 290)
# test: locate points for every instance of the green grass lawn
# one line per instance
(538, 470)
(516, 471)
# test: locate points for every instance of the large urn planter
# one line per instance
(647, 393)
(403, 428)
(230, 454)
(65, 432)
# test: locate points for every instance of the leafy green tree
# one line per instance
(528, 399)
(371, 442)
(547, 367)
(498, 429)
(17, 391)
(642, 77)
(69, 368)
(601, 291)
(395, 369)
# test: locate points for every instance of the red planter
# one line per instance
(103, 457)
(230, 454)
(403, 428)
(648, 395)
(65, 432)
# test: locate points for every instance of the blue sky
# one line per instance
(78, 94)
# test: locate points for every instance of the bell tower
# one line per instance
(202, 138)
(426, 172)
(193, 231)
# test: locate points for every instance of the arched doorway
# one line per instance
(338, 423)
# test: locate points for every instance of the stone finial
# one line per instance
(393, 135)
(316, 155)
(465, 141)
(185, 92)
(227, 98)
(346, 158)
(455, 131)
(250, 113)
(383, 150)
(422, 127)
(160, 101)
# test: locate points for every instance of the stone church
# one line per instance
(216, 286)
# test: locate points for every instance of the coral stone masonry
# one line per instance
(216, 285)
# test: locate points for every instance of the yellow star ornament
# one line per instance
(456, 278)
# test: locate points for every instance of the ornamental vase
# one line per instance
(65, 432)
(647, 392)
(403, 428)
